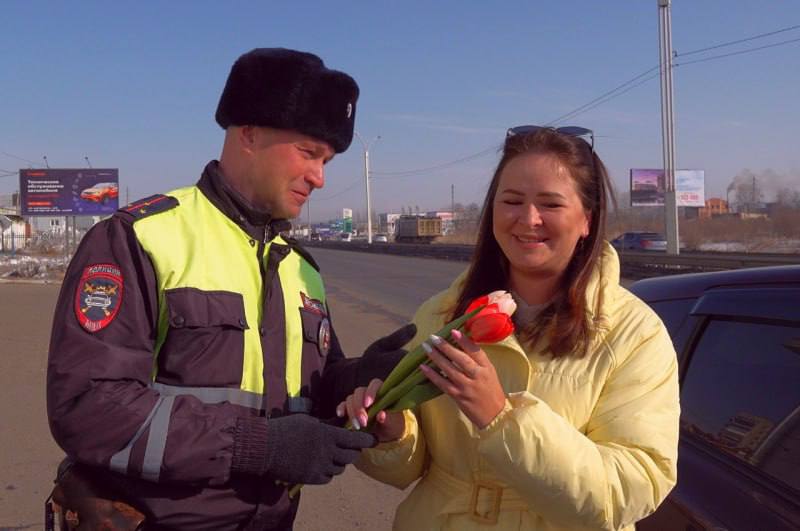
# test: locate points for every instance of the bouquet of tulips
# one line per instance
(487, 319)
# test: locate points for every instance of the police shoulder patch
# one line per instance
(98, 296)
(150, 205)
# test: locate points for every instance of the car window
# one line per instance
(741, 394)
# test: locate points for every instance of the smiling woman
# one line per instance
(587, 384)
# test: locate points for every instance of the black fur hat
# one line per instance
(287, 89)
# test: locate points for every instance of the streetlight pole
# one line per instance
(668, 125)
(366, 146)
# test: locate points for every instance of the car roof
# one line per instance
(695, 284)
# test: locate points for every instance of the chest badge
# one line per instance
(324, 336)
(313, 305)
(98, 296)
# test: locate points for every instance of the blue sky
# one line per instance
(135, 86)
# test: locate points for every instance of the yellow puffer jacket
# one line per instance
(587, 443)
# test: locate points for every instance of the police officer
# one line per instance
(192, 355)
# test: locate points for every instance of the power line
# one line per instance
(18, 158)
(613, 93)
(407, 173)
(740, 52)
(603, 98)
(587, 109)
(731, 43)
(337, 194)
(575, 112)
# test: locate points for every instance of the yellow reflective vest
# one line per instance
(212, 275)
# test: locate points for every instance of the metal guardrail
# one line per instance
(634, 264)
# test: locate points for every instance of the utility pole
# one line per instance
(668, 125)
(453, 207)
(366, 146)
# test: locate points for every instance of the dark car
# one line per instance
(737, 334)
(640, 241)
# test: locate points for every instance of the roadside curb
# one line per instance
(29, 281)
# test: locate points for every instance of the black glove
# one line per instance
(301, 449)
(381, 356)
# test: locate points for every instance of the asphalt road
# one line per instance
(370, 296)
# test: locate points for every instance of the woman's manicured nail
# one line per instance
(363, 420)
(426, 347)
(456, 334)
(340, 411)
(368, 401)
(354, 422)
(436, 340)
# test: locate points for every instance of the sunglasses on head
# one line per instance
(570, 130)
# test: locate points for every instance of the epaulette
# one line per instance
(302, 251)
(149, 206)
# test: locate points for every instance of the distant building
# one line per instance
(10, 201)
(387, 222)
(13, 232)
(57, 224)
(714, 207)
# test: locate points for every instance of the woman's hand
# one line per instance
(469, 377)
(389, 426)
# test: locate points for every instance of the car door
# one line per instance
(739, 454)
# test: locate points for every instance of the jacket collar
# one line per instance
(253, 221)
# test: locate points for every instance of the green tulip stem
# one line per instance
(409, 363)
(406, 384)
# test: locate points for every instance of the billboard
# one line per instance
(648, 187)
(347, 220)
(72, 192)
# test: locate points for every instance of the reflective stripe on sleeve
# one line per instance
(212, 395)
(157, 440)
(120, 460)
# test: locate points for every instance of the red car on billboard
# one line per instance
(101, 192)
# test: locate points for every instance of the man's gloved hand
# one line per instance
(381, 356)
(301, 449)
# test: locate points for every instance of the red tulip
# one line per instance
(493, 323)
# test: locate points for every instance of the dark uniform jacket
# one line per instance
(99, 391)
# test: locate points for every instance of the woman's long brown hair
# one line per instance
(565, 321)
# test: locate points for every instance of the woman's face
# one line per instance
(538, 216)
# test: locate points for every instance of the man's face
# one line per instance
(285, 166)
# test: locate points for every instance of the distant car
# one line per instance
(380, 238)
(737, 335)
(101, 193)
(640, 241)
(315, 237)
(346, 237)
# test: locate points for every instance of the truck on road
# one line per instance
(417, 229)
